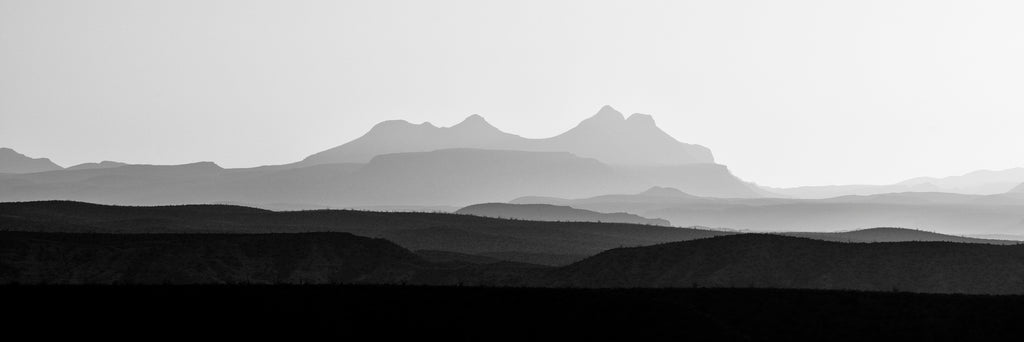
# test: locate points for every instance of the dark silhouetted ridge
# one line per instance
(774, 261)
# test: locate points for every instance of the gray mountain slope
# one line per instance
(106, 164)
(13, 162)
(454, 177)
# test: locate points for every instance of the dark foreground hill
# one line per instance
(751, 260)
(305, 258)
(389, 313)
(897, 235)
(562, 242)
(772, 261)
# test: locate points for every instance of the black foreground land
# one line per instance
(485, 314)
(75, 270)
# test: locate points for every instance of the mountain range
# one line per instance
(608, 136)
(603, 165)
(402, 165)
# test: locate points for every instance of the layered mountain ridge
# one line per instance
(400, 164)
(607, 136)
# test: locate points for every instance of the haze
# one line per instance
(784, 92)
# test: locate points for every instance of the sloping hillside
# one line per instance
(772, 261)
(416, 231)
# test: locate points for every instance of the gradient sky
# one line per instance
(784, 92)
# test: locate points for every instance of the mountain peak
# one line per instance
(608, 113)
(474, 121)
(606, 136)
(399, 124)
(106, 164)
(641, 119)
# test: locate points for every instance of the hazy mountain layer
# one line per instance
(14, 162)
(547, 212)
(453, 177)
(983, 182)
(940, 212)
(607, 136)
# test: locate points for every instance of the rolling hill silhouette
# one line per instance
(744, 261)
(547, 212)
(607, 136)
(199, 259)
(772, 261)
(13, 162)
(540, 242)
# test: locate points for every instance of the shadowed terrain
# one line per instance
(553, 243)
(502, 314)
(772, 261)
(547, 212)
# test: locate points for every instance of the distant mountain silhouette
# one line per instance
(547, 212)
(458, 176)
(106, 164)
(13, 162)
(1018, 190)
(398, 136)
(772, 261)
(453, 177)
(983, 182)
(128, 184)
(607, 136)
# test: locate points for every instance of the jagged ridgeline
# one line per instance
(401, 164)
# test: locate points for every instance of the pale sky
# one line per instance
(785, 93)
